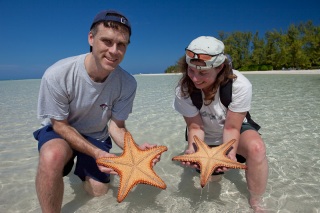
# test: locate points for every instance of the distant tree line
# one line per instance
(296, 48)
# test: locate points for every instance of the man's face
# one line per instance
(108, 47)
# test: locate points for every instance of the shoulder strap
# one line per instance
(196, 98)
(226, 93)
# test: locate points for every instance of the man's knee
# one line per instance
(54, 155)
(95, 188)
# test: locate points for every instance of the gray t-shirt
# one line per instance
(67, 92)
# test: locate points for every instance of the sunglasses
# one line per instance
(204, 57)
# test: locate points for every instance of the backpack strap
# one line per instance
(226, 97)
(226, 93)
(196, 97)
(250, 121)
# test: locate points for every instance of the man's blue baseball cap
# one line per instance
(112, 15)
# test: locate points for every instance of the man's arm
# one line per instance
(79, 143)
(117, 129)
(76, 140)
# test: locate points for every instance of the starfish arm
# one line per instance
(225, 147)
(116, 163)
(188, 158)
(231, 164)
(202, 146)
(206, 173)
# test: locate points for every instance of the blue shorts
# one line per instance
(85, 165)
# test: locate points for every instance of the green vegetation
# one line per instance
(296, 48)
(172, 69)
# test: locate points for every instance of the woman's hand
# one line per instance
(231, 155)
(190, 164)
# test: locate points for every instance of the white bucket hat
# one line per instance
(206, 45)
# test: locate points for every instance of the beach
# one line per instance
(299, 72)
(286, 106)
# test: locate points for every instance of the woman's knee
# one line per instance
(257, 149)
(95, 188)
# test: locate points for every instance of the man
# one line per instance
(84, 100)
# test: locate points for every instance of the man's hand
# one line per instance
(146, 146)
(104, 169)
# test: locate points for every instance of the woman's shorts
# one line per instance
(85, 164)
(246, 126)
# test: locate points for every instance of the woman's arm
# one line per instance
(195, 127)
(231, 130)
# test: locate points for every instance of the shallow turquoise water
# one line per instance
(286, 106)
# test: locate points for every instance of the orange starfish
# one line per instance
(209, 159)
(134, 166)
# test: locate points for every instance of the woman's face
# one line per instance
(203, 79)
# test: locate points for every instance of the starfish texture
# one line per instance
(134, 166)
(209, 159)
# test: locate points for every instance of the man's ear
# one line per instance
(90, 38)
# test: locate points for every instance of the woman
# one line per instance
(207, 68)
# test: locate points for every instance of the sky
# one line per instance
(34, 34)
